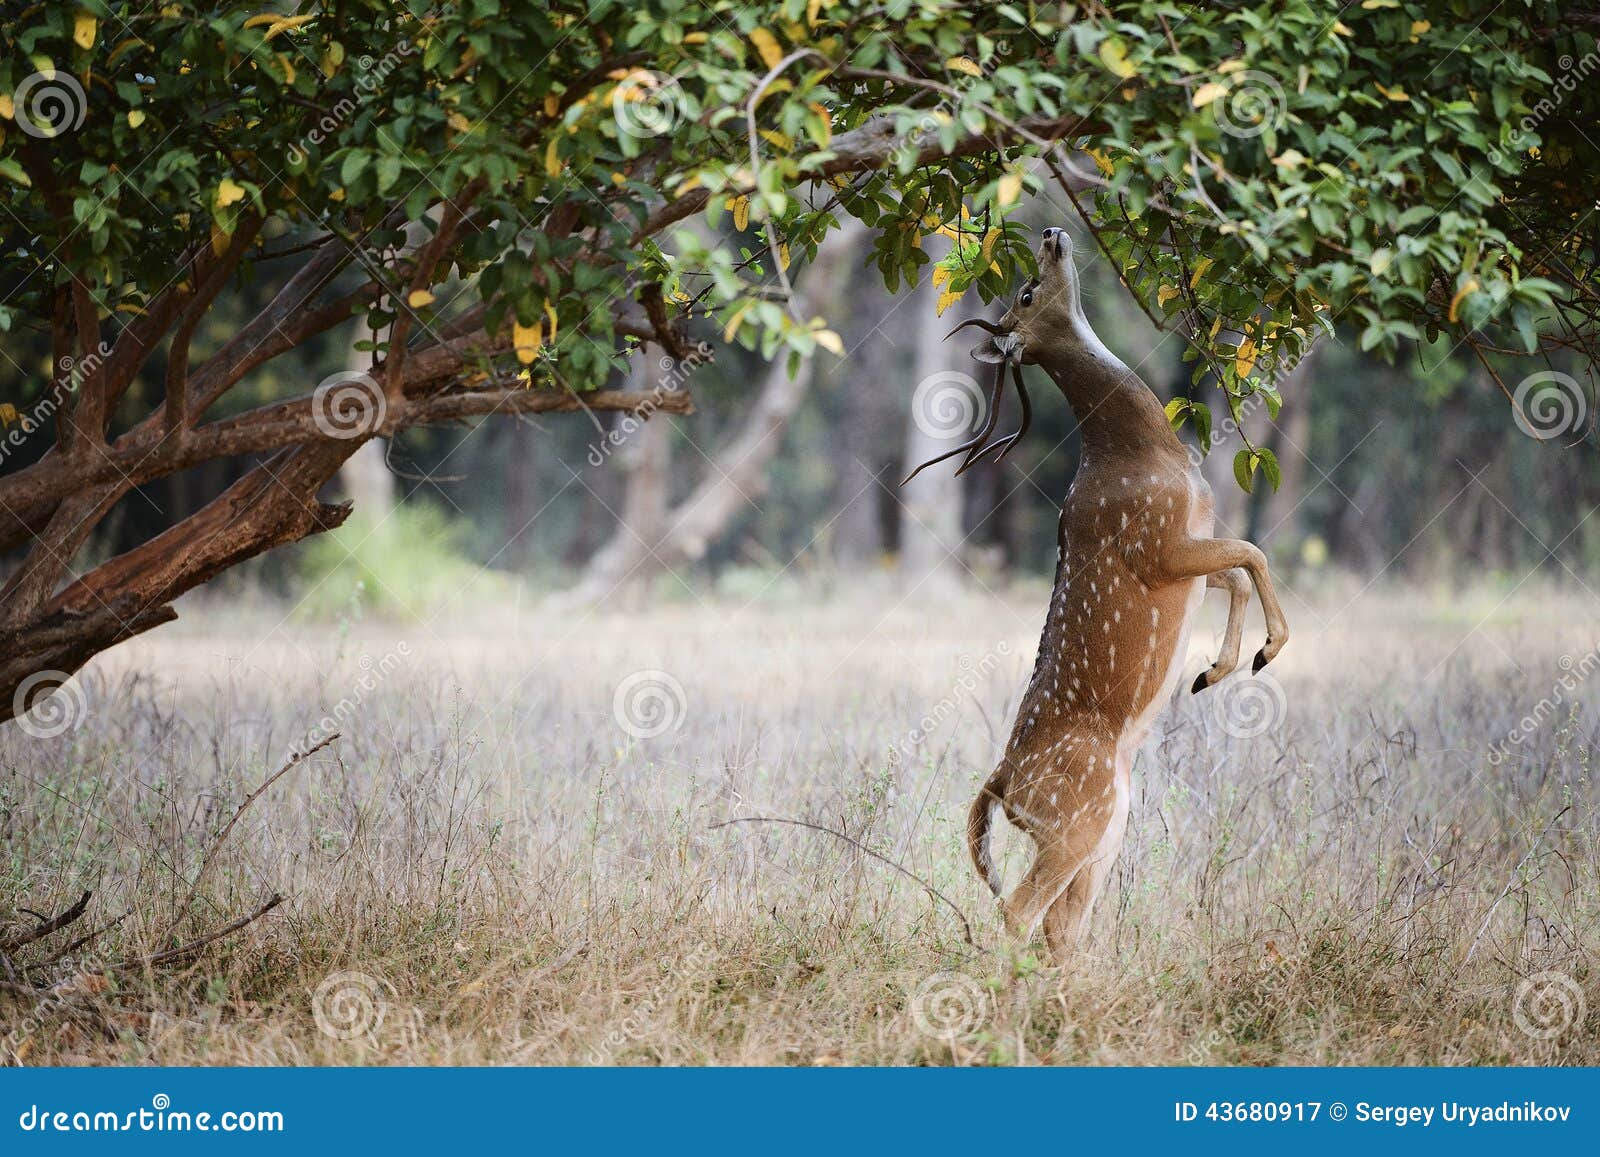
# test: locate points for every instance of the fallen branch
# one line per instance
(216, 845)
(54, 924)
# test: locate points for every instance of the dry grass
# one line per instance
(519, 880)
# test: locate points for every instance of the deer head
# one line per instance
(1044, 310)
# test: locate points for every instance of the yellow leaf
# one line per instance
(552, 157)
(946, 299)
(741, 212)
(825, 123)
(1245, 360)
(229, 193)
(1396, 94)
(733, 322)
(1199, 271)
(419, 298)
(1114, 55)
(1165, 294)
(287, 23)
(990, 239)
(830, 341)
(767, 45)
(135, 117)
(1010, 188)
(964, 64)
(83, 29)
(526, 340)
(1207, 93)
(1462, 294)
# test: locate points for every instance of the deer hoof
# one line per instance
(1200, 683)
(1260, 661)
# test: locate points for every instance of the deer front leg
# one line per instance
(1237, 584)
(1192, 558)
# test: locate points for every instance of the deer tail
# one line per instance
(978, 822)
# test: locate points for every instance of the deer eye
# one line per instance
(1026, 299)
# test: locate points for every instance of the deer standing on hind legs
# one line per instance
(1135, 558)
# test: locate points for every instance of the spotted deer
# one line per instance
(1135, 558)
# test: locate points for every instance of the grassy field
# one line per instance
(511, 852)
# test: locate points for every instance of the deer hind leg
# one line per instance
(1202, 557)
(1075, 839)
(1067, 921)
(1237, 583)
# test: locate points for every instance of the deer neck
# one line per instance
(1116, 412)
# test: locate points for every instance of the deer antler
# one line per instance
(972, 447)
(1009, 443)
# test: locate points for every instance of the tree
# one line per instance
(1257, 172)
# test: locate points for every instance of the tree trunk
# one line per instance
(946, 408)
(651, 536)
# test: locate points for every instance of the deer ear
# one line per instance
(988, 351)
